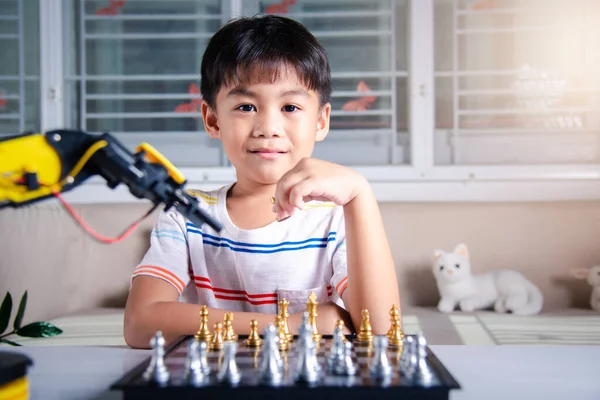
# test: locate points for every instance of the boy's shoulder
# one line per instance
(205, 197)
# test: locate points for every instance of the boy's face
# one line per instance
(267, 128)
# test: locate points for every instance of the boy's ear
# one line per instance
(323, 122)
(210, 121)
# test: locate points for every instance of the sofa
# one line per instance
(81, 285)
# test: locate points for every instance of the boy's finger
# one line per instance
(300, 191)
(285, 184)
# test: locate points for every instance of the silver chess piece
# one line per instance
(336, 352)
(194, 373)
(229, 371)
(157, 371)
(307, 368)
(407, 351)
(423, 371)
(380, 367)
(270, 370)
(344, 365)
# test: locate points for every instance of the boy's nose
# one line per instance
(267, 125)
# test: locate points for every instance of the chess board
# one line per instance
(361, 385)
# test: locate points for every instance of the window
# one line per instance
(432, 99)
(517, 82)
(20, 67)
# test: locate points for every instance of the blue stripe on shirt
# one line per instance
(169, 234)
(243, 250)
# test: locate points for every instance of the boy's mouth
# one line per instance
(268, 154)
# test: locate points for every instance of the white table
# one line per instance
(484, 372)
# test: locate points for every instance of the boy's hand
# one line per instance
(313, 179)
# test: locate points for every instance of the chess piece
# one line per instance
(283, 311)
(365, 335)
(229, 371)
(283, 342)
(344, 365)
(194, 374)
(395, 335)
(423, 372)
(307, 369)
(341, 326)
(407, 349)
(157, 372)
(311, 306)
(217, 340)
(229, 333)
(380, 367)
(253, 339)
(336, 351)
(204, 334)
(270, 370)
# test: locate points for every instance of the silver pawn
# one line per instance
(423, 371)
(270, 370)
(194, 374)
(407, 350)
(345, 366)
(380, 367)
(203, 349)
(307, 369)
(229, 371)
(157, 371)
(336, 351)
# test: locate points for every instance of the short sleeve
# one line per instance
(167, 258)
(339, 280)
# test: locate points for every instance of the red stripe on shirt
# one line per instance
(340, 284)
(231, 291)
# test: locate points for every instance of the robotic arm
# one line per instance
(35, 166)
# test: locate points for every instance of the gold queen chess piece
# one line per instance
(283, 311)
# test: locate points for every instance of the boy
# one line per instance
(292, 224)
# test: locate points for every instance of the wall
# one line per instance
(42, 251)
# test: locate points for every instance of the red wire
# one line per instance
(91, 231)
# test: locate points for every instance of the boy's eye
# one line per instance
(289, 108)
(246, 108)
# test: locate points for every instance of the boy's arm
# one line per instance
(372, 281)
(152, 306)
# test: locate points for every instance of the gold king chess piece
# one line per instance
(284, 344)
(395, 334)
(311, 306)
(254, 339)
(204, 334)
(283, 311)
(365, 335)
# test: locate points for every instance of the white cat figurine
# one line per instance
(505, 290)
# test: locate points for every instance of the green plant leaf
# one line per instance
(10, 342)
(5, 311)
(20, 312)
(39, 329)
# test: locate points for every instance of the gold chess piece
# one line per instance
(283, 311)
(204, 334)
(283, 342)
(254, 339)
(217, 340)
(311, 306)
(341, 325)
(395, 334)
(365, 335)
(229, 334)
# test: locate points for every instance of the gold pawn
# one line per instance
(340, 325)
(283, 311)
(365, 335)
(229, 334)
(217, 340)
(204, 334)
(254, 339)
(311, 306)
(395, 334)
(283, 342)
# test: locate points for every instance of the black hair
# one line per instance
(251, 49)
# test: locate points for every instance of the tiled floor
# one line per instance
(575, 327)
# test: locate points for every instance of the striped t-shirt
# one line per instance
(250, 270)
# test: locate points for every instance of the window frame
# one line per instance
(420, 181)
